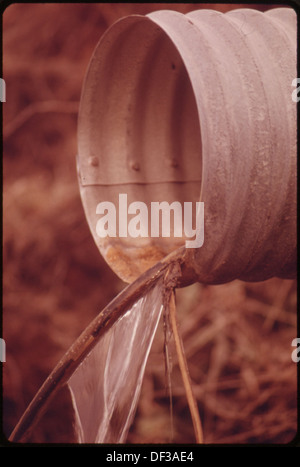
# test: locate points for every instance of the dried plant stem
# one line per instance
(67, 107)
(184, 371)
(168, 367)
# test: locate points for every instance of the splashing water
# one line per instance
(105, 388)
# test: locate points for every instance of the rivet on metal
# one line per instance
(135, 166)
(174, 163)
(93, 161)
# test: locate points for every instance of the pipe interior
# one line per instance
(145, 125)
(139, 135)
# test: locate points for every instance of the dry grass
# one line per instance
(237, 337)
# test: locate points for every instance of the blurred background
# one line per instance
(237, 337)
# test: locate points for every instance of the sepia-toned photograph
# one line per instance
(149, 226)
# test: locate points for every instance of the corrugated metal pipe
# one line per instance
(190, 108)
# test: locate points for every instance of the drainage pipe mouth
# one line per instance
(138, 121)
(179, 110)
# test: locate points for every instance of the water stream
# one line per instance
(105, 388)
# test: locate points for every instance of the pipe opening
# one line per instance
(139, 122)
